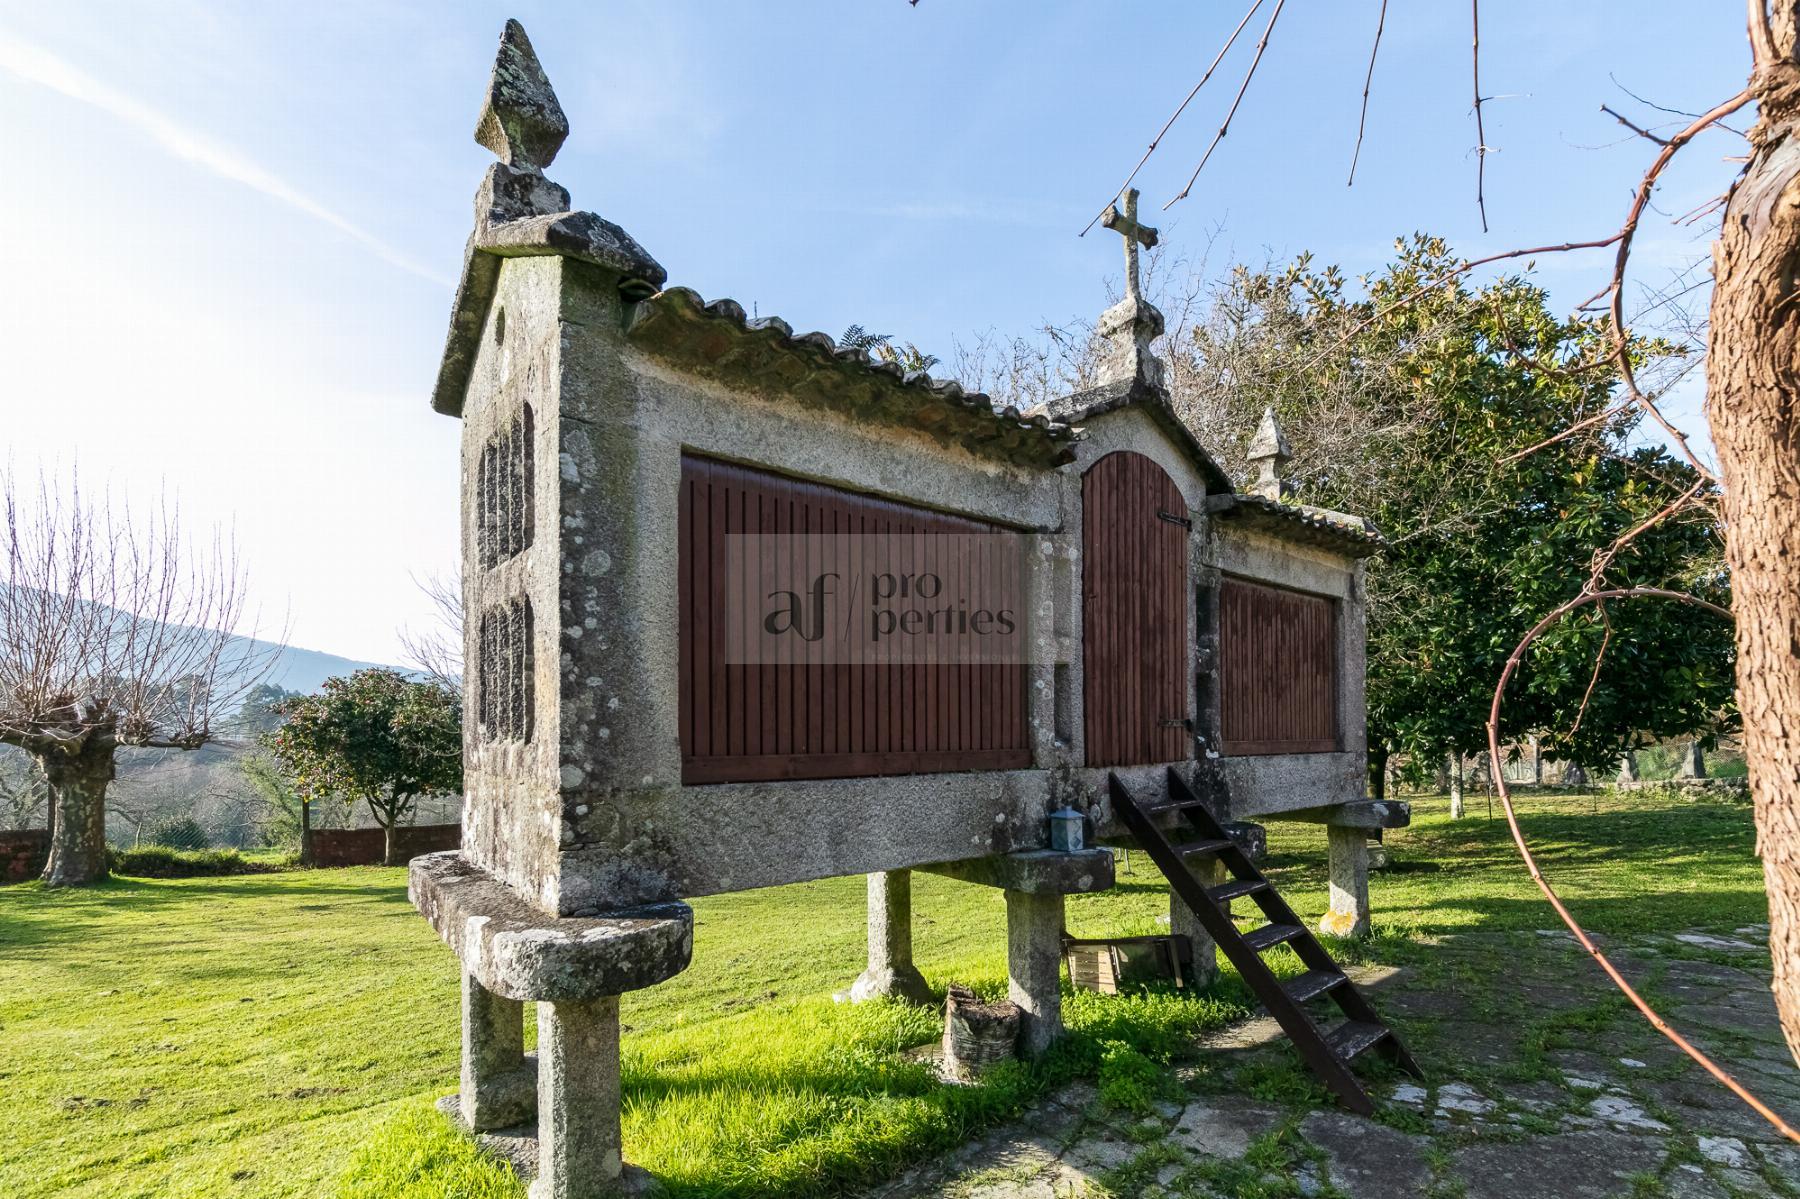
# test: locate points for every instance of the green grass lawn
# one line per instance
(285, 1034)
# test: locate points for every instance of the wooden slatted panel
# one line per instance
(817, 718)
(1134, 622)
(1277, 670)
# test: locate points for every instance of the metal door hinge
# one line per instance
(1173, 519)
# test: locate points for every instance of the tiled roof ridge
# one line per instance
(948, 389)
(1353, 529)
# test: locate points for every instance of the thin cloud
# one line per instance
(37, 65)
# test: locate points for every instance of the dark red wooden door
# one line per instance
(815, 718)
(1277, 670)
(1134, 555)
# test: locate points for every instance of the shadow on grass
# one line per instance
(40, 916)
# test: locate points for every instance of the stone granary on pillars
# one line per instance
(644, 727)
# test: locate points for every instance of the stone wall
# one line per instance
(364, 846)
(23, 853)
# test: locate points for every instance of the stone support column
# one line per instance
(1349, 914)
(1034, 928)
(498, 1090)
(891, 971)
(578, 1100)
(1183, 923)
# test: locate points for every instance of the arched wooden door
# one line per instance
(1134, 586)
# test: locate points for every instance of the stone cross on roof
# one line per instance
(1125, 224)
(521, 121)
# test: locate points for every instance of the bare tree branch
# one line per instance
(1635, 128)
(1362, 121)
(1481, 148)
(1537, 876)
(1182, 107)
(1261, 45)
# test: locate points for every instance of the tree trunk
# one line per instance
(1378, 760)
(1753, 407)
(1456, 786)
(78, 817)
(390, 843)
(306, 848)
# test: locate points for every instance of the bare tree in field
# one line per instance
(114, 632)
(437, 651)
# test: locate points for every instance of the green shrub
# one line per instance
(178, 832)
(1129, 1081)
(159, 861)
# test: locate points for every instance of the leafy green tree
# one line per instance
(289, 809)
(261, 710)
(375, 737)
(1417, 415)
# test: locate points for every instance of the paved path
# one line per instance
(1542, 1084)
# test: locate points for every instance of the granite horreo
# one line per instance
(619, 438)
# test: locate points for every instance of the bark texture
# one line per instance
(78, 816)
(1753, 406)
(1454, 764)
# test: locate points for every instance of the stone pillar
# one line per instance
(891, 971)
(578, 1100)
(1183, 923)
(1034, 928)
(1349, 914)
(1628, 768)
(1693, 762)
(497, 1088)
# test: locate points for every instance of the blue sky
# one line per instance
(235, 228)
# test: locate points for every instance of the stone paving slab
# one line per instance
(1540, 1086)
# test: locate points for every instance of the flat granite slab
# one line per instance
(516, 951)
(1035, 871)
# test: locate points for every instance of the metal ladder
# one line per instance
(1327, 1050)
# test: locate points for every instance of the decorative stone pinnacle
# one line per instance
(1125, 224)
(1269, 453)
(521, 121)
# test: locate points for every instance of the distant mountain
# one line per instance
(305, 670)
(293, 668)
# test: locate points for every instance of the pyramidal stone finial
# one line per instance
(1269, 454)
(521, 121)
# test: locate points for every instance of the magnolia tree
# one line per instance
(374, 737)
(115, 631)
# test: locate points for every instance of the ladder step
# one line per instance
(1179, 805)
(1354, 1037)
(1212, 847)
(1271, 935)
(1313, 984)
(1237, 888)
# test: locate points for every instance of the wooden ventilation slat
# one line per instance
(818, 716)
(1134, 615)
(1278, 680)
